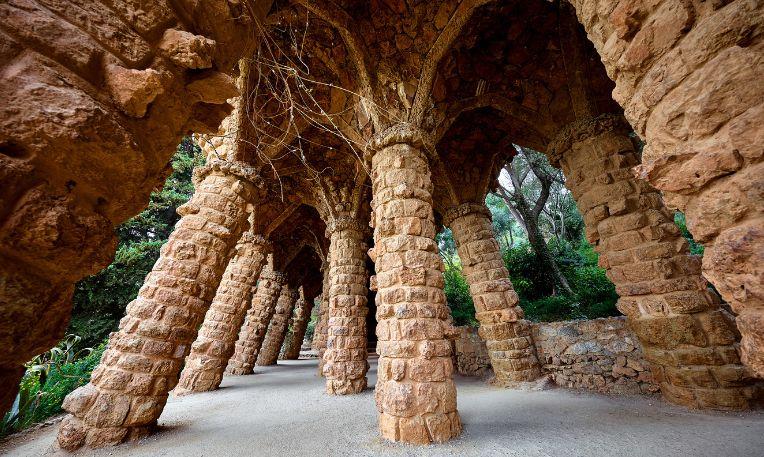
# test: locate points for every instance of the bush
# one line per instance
(49, 378)
(552, 308)
(594, 294)
(458, 296)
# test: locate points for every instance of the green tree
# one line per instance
(526, 189)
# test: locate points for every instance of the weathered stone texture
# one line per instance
(415, 393)
(471, 353)
(217, 337)
(256, 323)
(322, 326)
(299, 326)
(90, 115)
(274, 337)
(502, 327)
(345, 364)
(689, 341)
(129, 388)
(602, 355)
(688, 75)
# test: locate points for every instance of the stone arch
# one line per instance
(675, 64)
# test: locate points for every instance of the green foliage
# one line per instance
(695, 247)
(458, 296)
(100, 300)
(48, 379)
(594, 295)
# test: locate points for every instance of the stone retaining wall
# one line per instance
(599, 354)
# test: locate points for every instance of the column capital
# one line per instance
(345, 223)
(455, 212)
(582, 129)
(401, 133)
(275, 276)
(290, 292)
(236, 168)
(256, 239)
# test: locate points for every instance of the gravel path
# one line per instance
(283, 411)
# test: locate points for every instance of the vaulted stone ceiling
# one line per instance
(319, 81)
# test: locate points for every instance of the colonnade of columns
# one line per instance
(216, 341)
(299, 324)
(690, 342)
(256, 324)
(277, 329)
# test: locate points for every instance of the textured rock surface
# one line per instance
(129, 389)
(415, 393)
(90, 115)
(345, 363)
(256, 323)
(602, 355)
(274, 337)
(502, 327)
(471, 353)
(688, 75)
(94, 96)
(216, 342)
(689, 341)
(322, 325)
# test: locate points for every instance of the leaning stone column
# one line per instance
(217, 336)
(688, 75)
(274, 338)
(129, 389)
(689, 341)
(345, 362)
(415, 393)
(299, 326)
(256, 323)
(322, 326)
(502, 327)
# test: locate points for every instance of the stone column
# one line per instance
(415, 393)
(345, 364)
(129, 389)
(299, 326)
(274, 338)
(688, 75)
(689, 341)
(217, 336)
(322, 326)
(256, 323)
(502, 327)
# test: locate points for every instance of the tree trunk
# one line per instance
(545, 256)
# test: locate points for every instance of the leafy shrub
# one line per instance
(458, 296)
(48, 379)
(552, 308)
(594, 294)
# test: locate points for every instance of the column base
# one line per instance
(544, 382)
(433, 428)
(73, 434)
(345, 387)
(239, 371)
